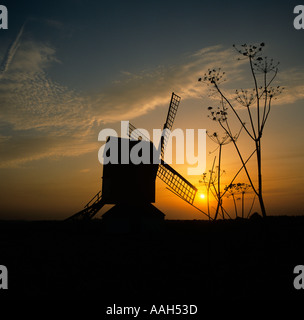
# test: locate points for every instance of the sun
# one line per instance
(202, 196)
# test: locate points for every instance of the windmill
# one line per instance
(138, 181)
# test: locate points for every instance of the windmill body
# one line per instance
(129, 183)
(131, 188)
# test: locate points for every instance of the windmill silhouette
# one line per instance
(137, 181)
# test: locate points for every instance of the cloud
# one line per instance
(45, 118)
(54, 24)
(10, 53)
(20, 149)
(136, 94)
(41, 118)
(293, 82)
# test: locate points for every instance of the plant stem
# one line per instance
(218, 183)
(257, 94)
(260, 192)
(241, 158)
(235, 207)
(243, 204)
(232, 108)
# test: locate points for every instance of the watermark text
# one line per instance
(3, 277)
(298, 21)
(3, 17)
(189, 147)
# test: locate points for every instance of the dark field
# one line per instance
(190, 260)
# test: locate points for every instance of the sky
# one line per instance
(69, 69)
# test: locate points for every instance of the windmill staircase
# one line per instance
(90, 209)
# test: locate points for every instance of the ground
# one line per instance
(190, 260)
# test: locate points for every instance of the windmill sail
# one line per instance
(174, 103)
(181, 186)
(135, 134)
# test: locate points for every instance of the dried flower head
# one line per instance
(250, 50)
(245, 97)
(265, 65)
(218, 113)
(219, 139)
(237, 188)
(213, 76)
(273, 92)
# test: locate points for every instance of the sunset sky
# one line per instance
(69, 69)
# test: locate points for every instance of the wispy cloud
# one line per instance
(136, 94)
(293, 82)
(47, 119)
(39, 117)
(11, 53)
(20, 149)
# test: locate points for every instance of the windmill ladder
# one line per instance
(90, 209)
